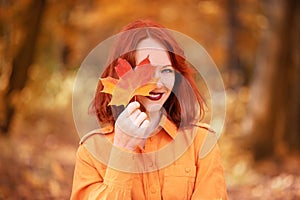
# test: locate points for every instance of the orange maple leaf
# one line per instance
(138, 81)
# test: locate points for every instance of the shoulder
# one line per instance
(104, 131)
(204, 127)
(205, 138)
(95, 146)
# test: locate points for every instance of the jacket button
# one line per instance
(187, 170)
(150, 164)
(153, 191)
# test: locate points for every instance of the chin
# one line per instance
(153, 107)
(153, 104)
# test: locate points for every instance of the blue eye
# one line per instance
(167, 70)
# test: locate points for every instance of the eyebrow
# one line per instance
(165, 66)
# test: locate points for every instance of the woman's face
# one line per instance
(164, 73)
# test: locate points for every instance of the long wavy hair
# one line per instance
(184, 106)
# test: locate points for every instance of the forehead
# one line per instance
(156, 51)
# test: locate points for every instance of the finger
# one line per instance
(134, 114)
(140, 118)
(131, 107)
(145, 124)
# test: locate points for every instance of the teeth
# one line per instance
(154, 95)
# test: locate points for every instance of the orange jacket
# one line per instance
(195, 172)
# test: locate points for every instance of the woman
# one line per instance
(159, 148)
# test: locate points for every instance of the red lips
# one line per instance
(155, 96)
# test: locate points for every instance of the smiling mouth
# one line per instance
(155, 96)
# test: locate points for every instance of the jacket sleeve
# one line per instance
(88, 183)
(210, 180)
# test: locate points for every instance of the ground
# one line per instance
(38, 157)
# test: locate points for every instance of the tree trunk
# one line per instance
(274, 103)
(23, 59)
(290, 38)
(233, 65)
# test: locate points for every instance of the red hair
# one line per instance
(184, 106)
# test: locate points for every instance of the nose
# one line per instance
(157, 76)
(159, 84)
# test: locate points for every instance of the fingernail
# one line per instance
(137, 104)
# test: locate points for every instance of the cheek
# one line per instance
(169, 81)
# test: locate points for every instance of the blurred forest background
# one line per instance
(254, 43)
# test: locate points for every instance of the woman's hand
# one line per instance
(130, 127)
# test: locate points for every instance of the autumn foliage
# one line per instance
(131, 82)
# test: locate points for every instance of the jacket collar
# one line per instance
(168, 126)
